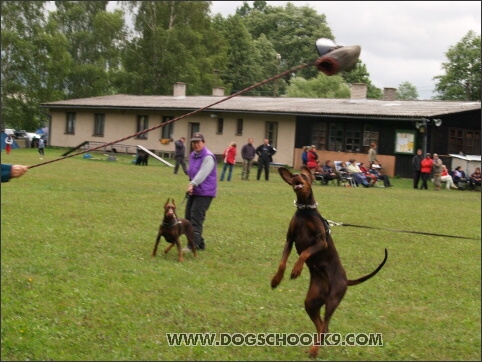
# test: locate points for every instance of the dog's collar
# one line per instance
(305, 206)
(174, 222)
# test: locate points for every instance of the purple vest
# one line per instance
(209, 186)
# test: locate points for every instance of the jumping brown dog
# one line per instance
(172, 228)
(310, 234)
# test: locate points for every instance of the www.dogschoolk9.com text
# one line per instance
(274, 339)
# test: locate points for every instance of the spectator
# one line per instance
(229, 160)
(445, 177)
(416, 166)
(8, 143)
(370, 176)
(11, 171)
(458, 175)
(202, 186)
(312, 160)
(41, 146)
(375, 171)
(437, 171)
(265, 154)
(426, 170)
(357, 174)
(475, 178)
(343, 170)
(372, 154)
(247, 153)
(179, 155)
(304, 155)
(329, 173)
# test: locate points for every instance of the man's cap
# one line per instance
(197, 137)
(427, 154)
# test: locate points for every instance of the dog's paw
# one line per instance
(296, 272)
(275, 281)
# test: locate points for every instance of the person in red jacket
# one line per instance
(229, 161)
(426, 170)
(312, 160)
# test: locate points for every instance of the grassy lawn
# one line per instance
(78, 282)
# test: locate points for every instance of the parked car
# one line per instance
(24, 134)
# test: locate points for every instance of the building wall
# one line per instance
(120, 124)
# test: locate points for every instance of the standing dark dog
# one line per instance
(172, 228)
(310, 234)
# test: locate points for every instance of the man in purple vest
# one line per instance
(202, 172)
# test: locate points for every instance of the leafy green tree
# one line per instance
(173, 41)
(95, 42)
(407, 92)
(243, 63)
(33, 65)
(461, 80)
(360, 75)
(292, 30)
(322, 86)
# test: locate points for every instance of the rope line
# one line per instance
(294, 69)
(333, 223)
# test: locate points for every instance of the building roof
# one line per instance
(281, 105)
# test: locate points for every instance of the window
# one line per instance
(272, 133)
(99, 120)
(353, 137)
(70, 123)
(370, 134)
(167, 130)
(466, 141)
(319, 134)
(142, 124)
(220, 126)
(239, 127)
(335, 140)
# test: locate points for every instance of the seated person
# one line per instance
(329, 173)
(458, 175)
(370, 176)
(475, 178)
(375, 170)
(445, 177)
(357, 174)
(343, 170)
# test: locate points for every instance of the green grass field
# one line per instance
(78, 282)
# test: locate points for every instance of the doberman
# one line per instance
(310, 233)
(172, 228)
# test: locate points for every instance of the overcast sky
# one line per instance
(401, 41)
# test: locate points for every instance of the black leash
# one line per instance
(333, 223)
(185, 198)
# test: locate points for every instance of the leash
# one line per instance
(333, 223)
(185, 198)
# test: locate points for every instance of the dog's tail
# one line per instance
(368, 276)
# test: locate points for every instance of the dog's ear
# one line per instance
(173, 202)
(167, 202)
(285, 174)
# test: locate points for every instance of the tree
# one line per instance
(461, 80)
(322, 86)
(95, 41)
(33, 65)
(360, 75)
(292, 30)
(407, 92)
(173, 42)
